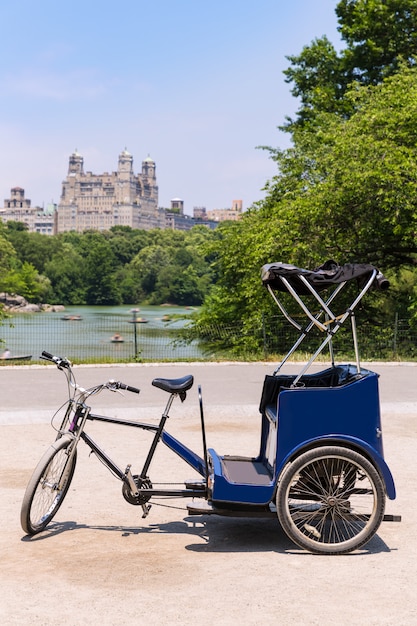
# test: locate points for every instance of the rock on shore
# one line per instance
(18, 304)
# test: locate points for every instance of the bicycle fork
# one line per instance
(75, 431)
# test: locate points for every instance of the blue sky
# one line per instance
(195, 85)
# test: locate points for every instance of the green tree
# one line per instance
(24, 279)
(147, 265)
(17, 276)
(65, 271)
(318, 81)
(126, 242)
(346, 190)
(172, 268)
(178, 286)
(120, 265)
(33, 248)
(360, 177)
(99, 272)
(379, 36)
(7, 254)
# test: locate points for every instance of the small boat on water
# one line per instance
(117, 338)
(72, 318)
(18, 357)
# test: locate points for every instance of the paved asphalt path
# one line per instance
(30, 393)
(100, 563)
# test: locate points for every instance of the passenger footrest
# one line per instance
(195, 484)
(245, 471)
(202, 507)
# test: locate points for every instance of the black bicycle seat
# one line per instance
(174, 385)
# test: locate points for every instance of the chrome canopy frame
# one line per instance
(281, 277)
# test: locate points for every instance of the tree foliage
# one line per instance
(122, 265)
(357, 193)
(65, 271)
(7, 254)
(379, 36)
(347, 187)
(347, 190)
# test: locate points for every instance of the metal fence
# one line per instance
(395, 341)
(273, 337)
(91, 340)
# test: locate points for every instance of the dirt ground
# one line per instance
(100, 562)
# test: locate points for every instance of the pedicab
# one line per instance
(320, 468)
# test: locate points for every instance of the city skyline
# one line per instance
(195, 87)
(102, 200)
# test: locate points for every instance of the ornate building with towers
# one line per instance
(17, 208)
(100, 201)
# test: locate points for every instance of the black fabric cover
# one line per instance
(331, 377)
(328, 274)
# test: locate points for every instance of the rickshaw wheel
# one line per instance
(330, 500)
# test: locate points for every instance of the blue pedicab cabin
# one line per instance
(321, 464)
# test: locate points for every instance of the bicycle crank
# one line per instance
(139, 495)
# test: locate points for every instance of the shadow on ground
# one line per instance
(227, 535)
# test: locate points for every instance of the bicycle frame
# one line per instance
(74, 422)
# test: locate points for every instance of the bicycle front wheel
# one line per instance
(48, 486)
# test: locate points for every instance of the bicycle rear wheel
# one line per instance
(330, 500)
(48, 486)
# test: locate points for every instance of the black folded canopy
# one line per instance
(328, 274)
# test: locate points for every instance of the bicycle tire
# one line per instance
(44, 493)
(330, 500)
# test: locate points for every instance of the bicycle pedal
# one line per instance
(146, 508)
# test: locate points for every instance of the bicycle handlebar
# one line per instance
(59, 361)
(119, 385)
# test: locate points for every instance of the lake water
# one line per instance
(91, 336)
